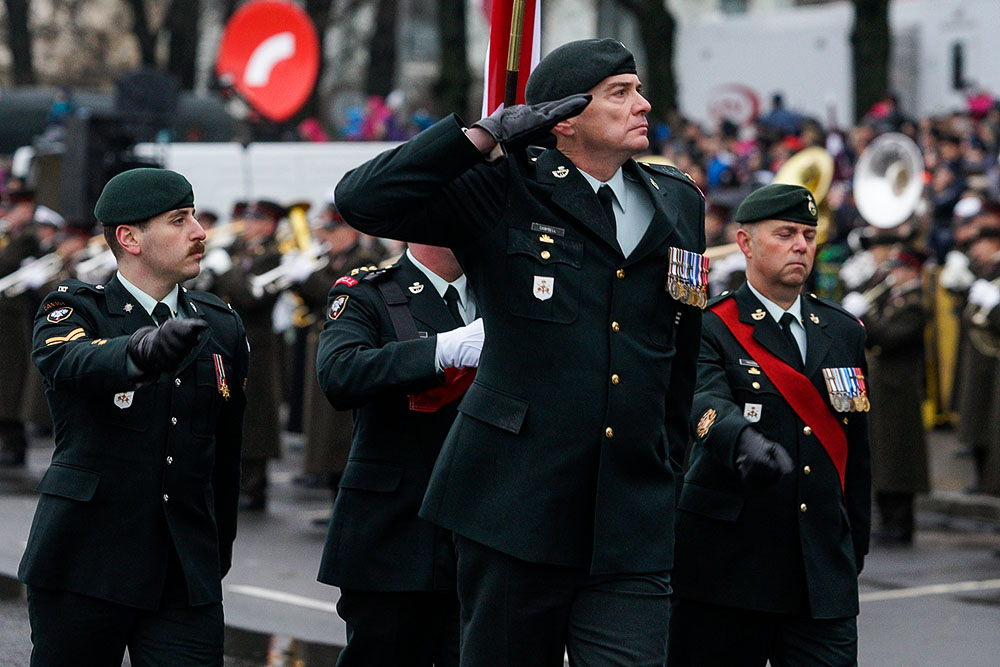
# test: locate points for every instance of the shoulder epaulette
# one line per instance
(718, 299)
(362, 273)
(672, 172)
(375, 273)
(833, 305)
(207, 298)
(74, 286)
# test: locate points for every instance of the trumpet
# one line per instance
(986, 341)
(36, 272)
(279, 278)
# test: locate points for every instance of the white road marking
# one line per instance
(284, 598)
(933, 589)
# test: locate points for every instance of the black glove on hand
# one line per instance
(760, 461)
(524, 125)
(155, 350)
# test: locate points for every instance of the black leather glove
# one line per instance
(155, 350)
(525, 125)
(760, 461)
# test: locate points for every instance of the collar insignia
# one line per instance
(758, 314)
(560, 172)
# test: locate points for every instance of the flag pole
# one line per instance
(514, 53)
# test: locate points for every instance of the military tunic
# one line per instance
(137, 470)
(566, 446)
(795, 547)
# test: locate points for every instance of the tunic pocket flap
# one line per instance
(554, 250)
(371, 477)
(67, 482)
(712, 503)
(494, 407)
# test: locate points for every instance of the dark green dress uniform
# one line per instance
(327, 431)
(263, 419)
(138, 506)
(15, 332)
(395, 570)
(566, 447)
(895, 340)
(793, 549)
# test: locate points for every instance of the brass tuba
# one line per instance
(812, 168)
(888, 180)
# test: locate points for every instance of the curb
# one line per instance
(956, 504)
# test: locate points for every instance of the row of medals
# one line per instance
(846, 387)
(687, 279)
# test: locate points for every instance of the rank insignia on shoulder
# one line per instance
(706, 422)
(758, 314)
(123, 399)
(62, 288)
(337, 306)
(416, 288)
(59, 314)
(75, 334)
(346, 280)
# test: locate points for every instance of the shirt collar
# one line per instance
(439, 283)
(148, 302)
(616, 183)
(777, 311)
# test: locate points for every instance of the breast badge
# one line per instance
(687, 277)
(706, 422)
(123, 399)
(751, 412)
(543, 287)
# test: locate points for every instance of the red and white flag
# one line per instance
(500, 12)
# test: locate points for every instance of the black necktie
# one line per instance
(451, 298)
(606, 196)
(793, 345)
(161, 312)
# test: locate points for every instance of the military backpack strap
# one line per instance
(399, 311)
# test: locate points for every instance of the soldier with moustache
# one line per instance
(18, 244)
(253, 254)
(327, 431)
(396, 348)
(774, 514)
(558, 476)
(137, 515)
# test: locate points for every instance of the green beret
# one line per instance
(576, 68)
(137, 195)
(778, 201)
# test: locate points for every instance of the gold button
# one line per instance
(620, 273)
(615, 326)
(806, 470)
(802, 507)
(546, 254)
(615, 379)
(806, 430)
(755, 385)
(845, 420)
(609, 432)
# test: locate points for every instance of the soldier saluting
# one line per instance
(137, 515)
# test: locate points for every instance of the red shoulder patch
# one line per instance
(346, 280)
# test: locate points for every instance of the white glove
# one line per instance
(217, 260)
(984, 294)
(460, 348)
(35, 276)
(955, 274)
(857, 269)
(855, 304)
(300, 268)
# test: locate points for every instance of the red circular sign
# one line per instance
(733, 102)
(270, 52)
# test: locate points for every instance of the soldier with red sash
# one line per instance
(775, 510)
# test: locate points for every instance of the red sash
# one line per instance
(795, 388)
(457, 381)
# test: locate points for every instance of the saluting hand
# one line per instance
(523, 125)
(760, 462)
(158, 349)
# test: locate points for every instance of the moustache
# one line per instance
(197, 248)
